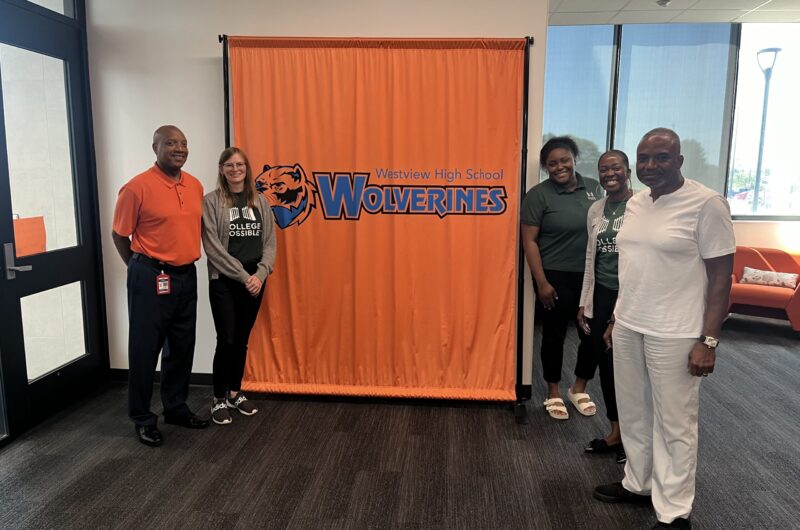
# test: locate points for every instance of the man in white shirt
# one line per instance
(675, 262)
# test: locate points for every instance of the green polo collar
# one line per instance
(562, 190)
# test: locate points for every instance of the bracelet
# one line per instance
(610, 321)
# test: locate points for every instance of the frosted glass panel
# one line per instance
(64, 7)
(52, 325)
(39, 152)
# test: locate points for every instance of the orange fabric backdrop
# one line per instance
(410, 292)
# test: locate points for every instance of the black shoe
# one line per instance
(149, 435)
(599, 445)
(220, 413)
(615, 492)
(621, 456)
(677, 523)
(190, 421)
(242, 404)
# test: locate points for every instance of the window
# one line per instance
(676, 76)
(769, 78)
(578, 89)
(682, 76)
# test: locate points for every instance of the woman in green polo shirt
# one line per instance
(554, 237)
(601, 283)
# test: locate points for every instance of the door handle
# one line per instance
(11, 267)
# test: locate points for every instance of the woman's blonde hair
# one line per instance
(249, 182)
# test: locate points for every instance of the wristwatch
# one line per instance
(709, 342)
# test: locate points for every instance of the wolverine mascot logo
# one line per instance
(289, 191)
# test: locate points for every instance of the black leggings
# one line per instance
(604, 301)
(234, 311)
(554, 328)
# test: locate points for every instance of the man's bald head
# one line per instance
(164, 131)
(663, 131)
(659, 161)
(171, 149)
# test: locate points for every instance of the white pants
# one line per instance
(658, 403)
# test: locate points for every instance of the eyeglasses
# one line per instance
(231, 165)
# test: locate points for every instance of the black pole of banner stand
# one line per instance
(223, 39)
(612, 106)
(523, 391)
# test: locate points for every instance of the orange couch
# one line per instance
(763, 300)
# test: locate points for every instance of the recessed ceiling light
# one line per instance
(663, 3)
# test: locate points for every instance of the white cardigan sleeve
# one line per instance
(587, 291)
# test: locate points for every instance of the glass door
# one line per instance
(53, 346)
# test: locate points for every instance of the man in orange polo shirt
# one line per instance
(157, 233)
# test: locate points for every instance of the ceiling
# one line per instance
(585, 12)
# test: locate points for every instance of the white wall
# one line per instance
(768, 234)
(153, 62)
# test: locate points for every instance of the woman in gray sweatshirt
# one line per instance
(239, 240)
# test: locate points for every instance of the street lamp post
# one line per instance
(768, 55)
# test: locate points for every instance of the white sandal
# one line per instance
(554, 405)
(581, 407)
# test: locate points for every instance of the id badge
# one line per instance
(162, 284)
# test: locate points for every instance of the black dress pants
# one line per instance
(234, 311)
(604, 301)
(154, 320)
(554, 328)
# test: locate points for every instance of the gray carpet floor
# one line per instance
(324, 463)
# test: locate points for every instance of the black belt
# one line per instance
(178, 269)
